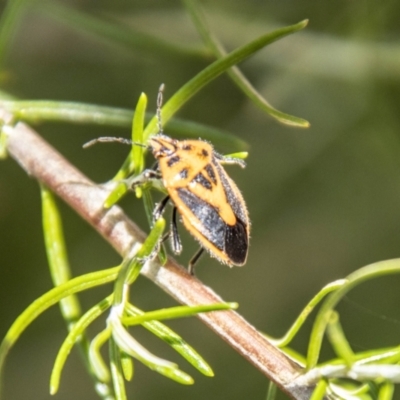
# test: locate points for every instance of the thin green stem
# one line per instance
(372, 271)
(96, 360)
(132, 265)
(211, 72)
(61, 273)
(116, 371)
(50, 298)
(130, 39)
(178, 312)
(291, 333)
(386, 391)
(3, 143)
(57, 254)
(166, 334)
(137, 153)
(37, 111)
(127, 366)
(236, 75)
(215, 69)
(271, 393)
(73, 336)
(338, 340)
(8, 24)
(320, 390)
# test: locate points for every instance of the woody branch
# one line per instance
(44, 163)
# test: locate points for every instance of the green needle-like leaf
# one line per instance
(96, 360)
(175, 341)
(371, 271)
(149, 246)
(175, 374)
(116, 371)
(131, 40)
(234, 72)
(39, 111)
(178, 312)
(386, 391)
(271, 394)
(319, 390)
(73, 336)
(57, 254)
(3, 144)
(291, 333)
(127, 366)
(132, 265)
(338, 340)
(50, 298)
(131, 346)
(242, 155)
(214, 70)
(137, 134)
(116, 194)
(60, 271)
(211, 72)
(8, 24)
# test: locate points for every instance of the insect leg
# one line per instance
(175, 239)
(158, 211)
(194, 260)
(146, 176)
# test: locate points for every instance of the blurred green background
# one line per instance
(323, 201)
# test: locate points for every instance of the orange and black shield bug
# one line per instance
(211, 206)
(209, 203)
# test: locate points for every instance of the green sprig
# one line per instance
(371, 271)
(39, 111)
(207, 75)
(73, 336)
(174, 340)
(235, 74)
(50, 298)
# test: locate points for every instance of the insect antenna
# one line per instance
(106, 139)
(159, 105)
(110, 139)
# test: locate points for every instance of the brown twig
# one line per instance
(44, 163)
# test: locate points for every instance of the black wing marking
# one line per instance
(212, 226)
(211, 174)
(203, 181)
(236, 242)
(231, 240)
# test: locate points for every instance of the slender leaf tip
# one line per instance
(233, 305)
(303, 24)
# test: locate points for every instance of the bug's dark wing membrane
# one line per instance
(236, 242)
(232, 240)
(212, 226)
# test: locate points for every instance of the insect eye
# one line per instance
(204, 152)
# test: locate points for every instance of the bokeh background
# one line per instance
(323, 201)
